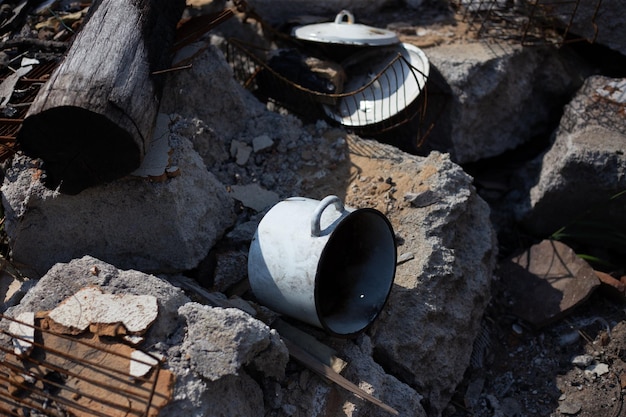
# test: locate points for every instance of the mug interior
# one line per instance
(355, 272)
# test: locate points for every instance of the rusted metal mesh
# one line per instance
(603, 105)
(530, 22)
(82, 376)
(25, 91)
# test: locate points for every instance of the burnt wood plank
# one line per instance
(92, 121)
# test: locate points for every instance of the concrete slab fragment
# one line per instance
(90, 306)
(24, 331)
(261, 143)
(141, 363)
(254, 196)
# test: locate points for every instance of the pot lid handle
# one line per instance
(344, 14)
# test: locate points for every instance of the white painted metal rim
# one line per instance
(362, 280)
(397, 87)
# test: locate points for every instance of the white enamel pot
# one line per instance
(324, 264)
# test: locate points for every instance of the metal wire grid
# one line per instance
(252, 71)
(607, 107)
(392, 78)
(35, 385)
(12, 116)
(530, 22)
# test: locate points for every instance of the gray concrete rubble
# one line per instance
(450, 236)
(440, 291)
(444, 288)
(225, 159)
(245, 339)
(214, 361)
(584, 169)
(503, 81)
(207, 348)
(65, 280)
(165, 225)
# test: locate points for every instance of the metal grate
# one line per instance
(83, 376)
(531, 22)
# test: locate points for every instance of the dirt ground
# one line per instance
(573, 367)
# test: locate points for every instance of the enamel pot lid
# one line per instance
(382, 86)
(344, 31)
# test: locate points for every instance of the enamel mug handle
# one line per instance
(317, 214)
(343, 15)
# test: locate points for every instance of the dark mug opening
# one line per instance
(355, 272)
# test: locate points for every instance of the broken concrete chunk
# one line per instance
(582, 361)
(597, 369)
(261, 143)
(172, 171)
(405, 257)
(240, 151)
(24, 331)
(570, 407)
(481, 83)
(423, 199)
(133, 340)
(90, 307)
(582, 171)
(473, 393)
(141, 363)
(221, 341)
(254, 196)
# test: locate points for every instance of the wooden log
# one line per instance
(92, 121)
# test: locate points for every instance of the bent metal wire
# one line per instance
(530, 22)
(53, 380)
(13, 113)
(252, 71)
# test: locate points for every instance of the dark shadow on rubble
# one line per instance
(545, 282)
(430, 128)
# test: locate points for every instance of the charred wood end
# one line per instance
(79, 148)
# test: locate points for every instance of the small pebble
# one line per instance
(582, 361)
(261, 143)
(569, 338)
(597, 369)
(407, 256)
(569, 408)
